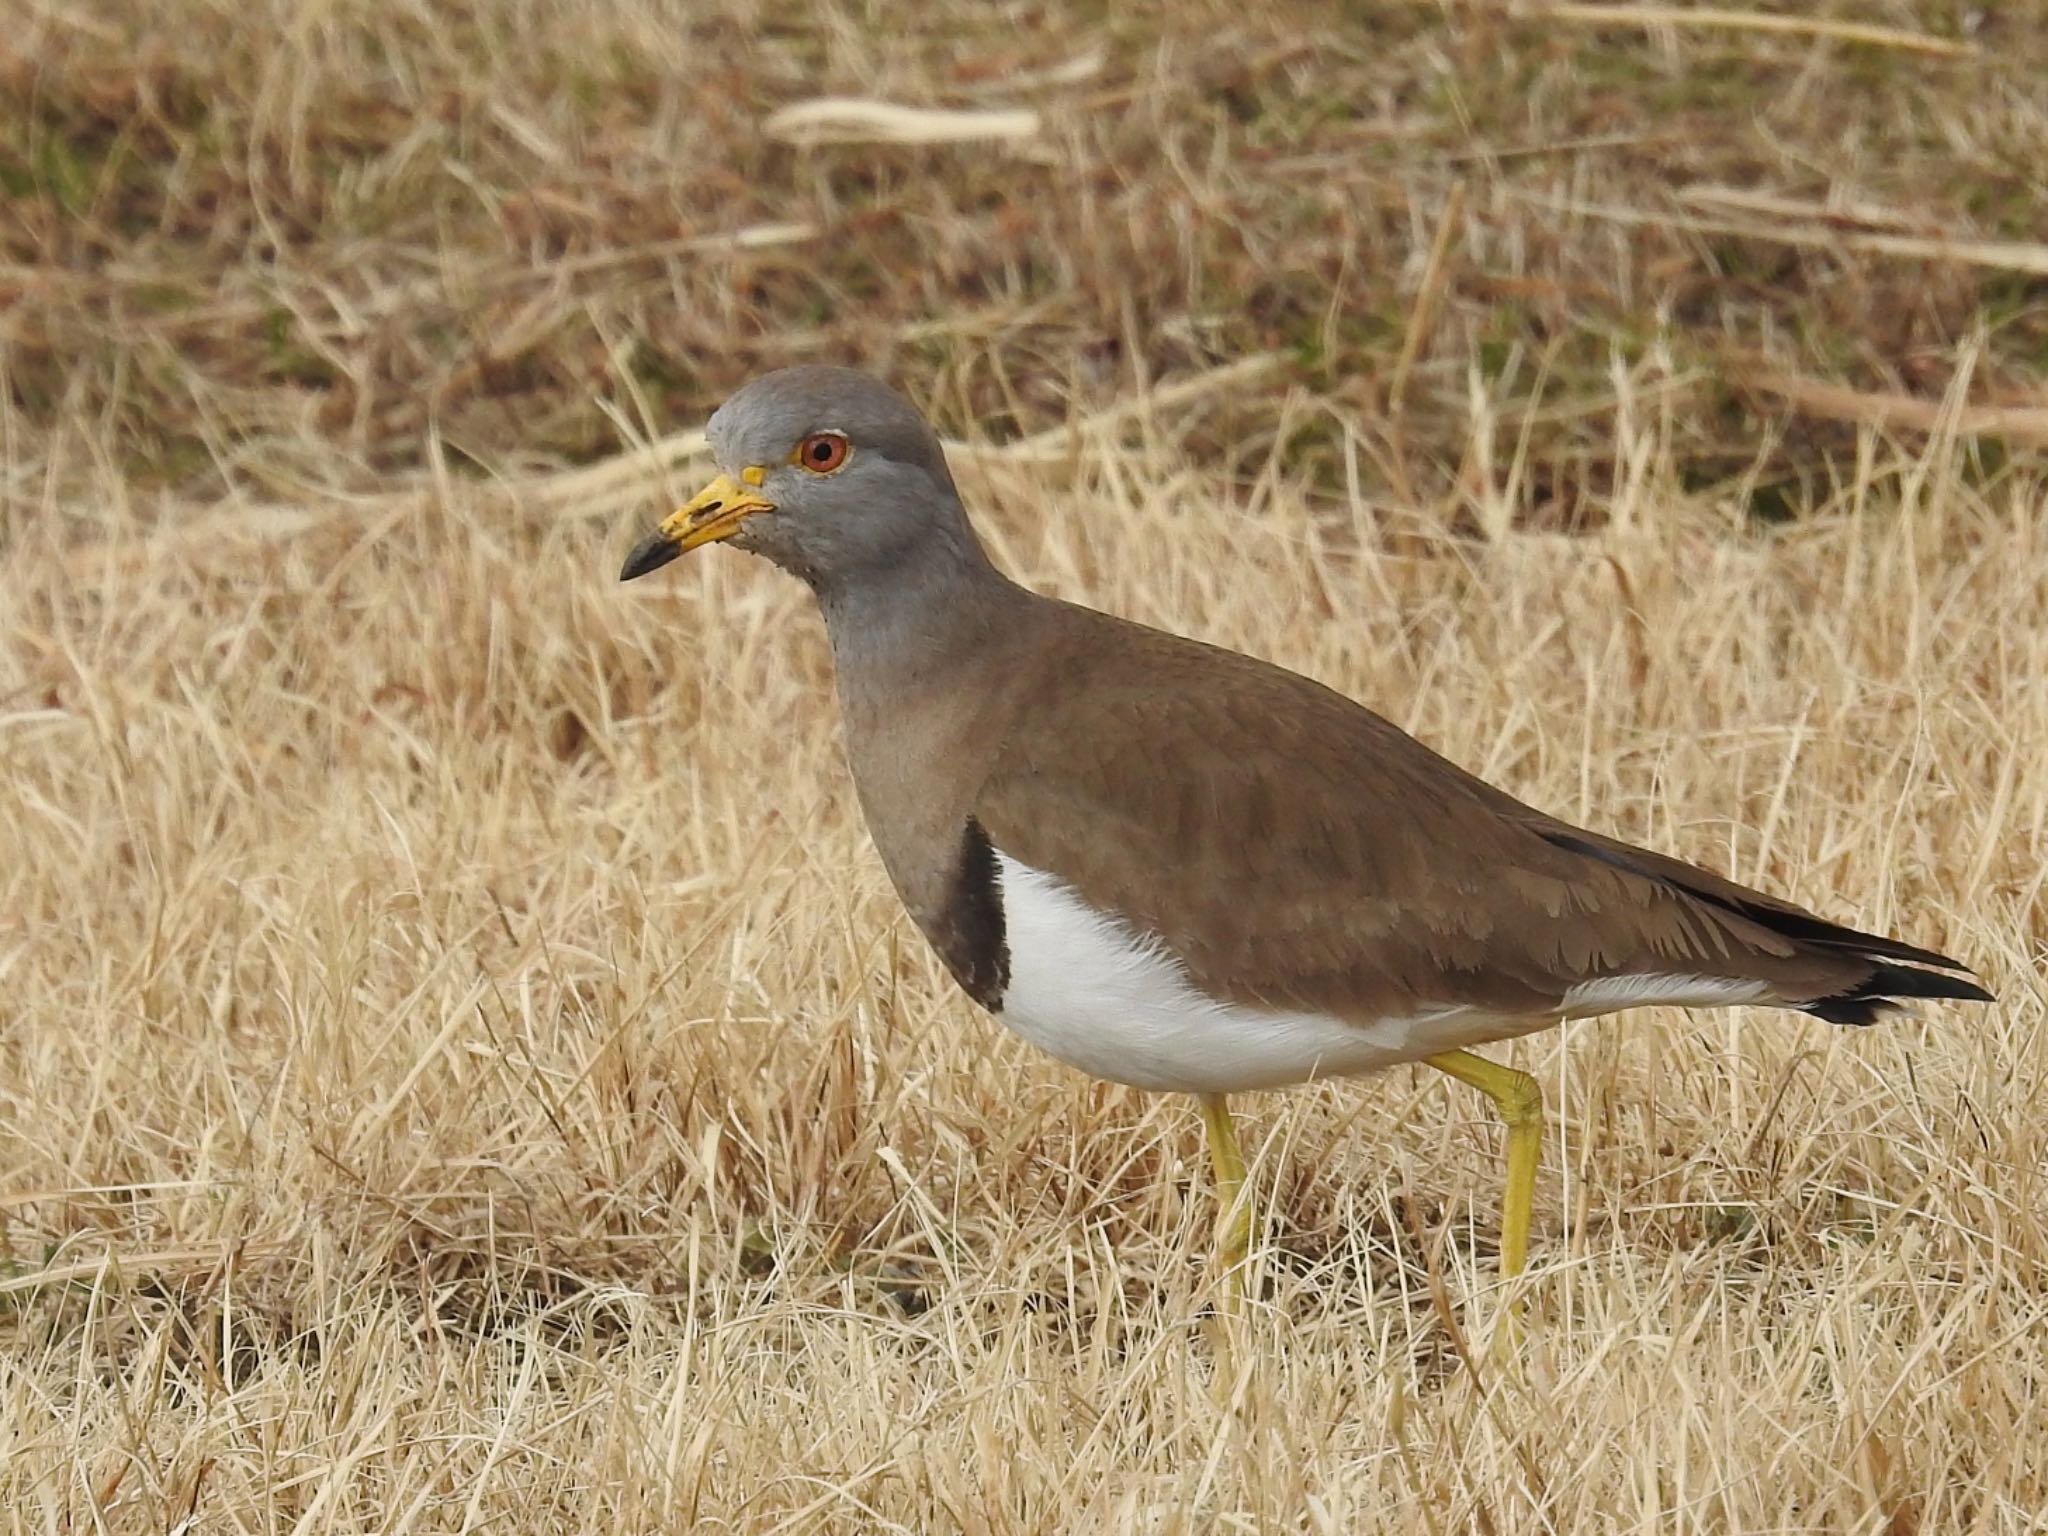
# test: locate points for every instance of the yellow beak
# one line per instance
(714, 513)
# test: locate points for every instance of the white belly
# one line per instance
(1091, 990)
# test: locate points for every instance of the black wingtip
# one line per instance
(650, 554)
(1885, 991)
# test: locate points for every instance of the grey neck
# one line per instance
(909, 621)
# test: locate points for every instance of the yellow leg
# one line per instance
(1233, 1199)
(1519, 1099)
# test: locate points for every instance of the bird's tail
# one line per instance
(1897, 972)
(1883, 991)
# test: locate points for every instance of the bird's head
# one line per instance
(825, 471)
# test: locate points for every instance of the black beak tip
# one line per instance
(650, 554)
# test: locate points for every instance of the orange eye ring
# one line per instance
(822, 452)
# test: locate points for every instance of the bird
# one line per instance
(1182, 868)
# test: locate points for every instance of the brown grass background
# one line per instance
(460, 1065)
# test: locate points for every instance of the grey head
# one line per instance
(829, 473)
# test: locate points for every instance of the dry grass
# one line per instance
(461, 1065)
(271, 248)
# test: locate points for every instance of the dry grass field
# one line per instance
(461, 1067)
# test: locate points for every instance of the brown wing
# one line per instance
(1299, 851)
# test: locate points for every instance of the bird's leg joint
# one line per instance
(1519, 1096)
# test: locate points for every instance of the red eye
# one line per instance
(822, 452)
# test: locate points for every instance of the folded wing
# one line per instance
(1382, 880)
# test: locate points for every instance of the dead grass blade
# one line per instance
(1429, 294)
(1755, 21)
(2023, 256)
(1891, 412)
(158, 1264)
(850, 120)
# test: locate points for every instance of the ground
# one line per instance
(460, 1063)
